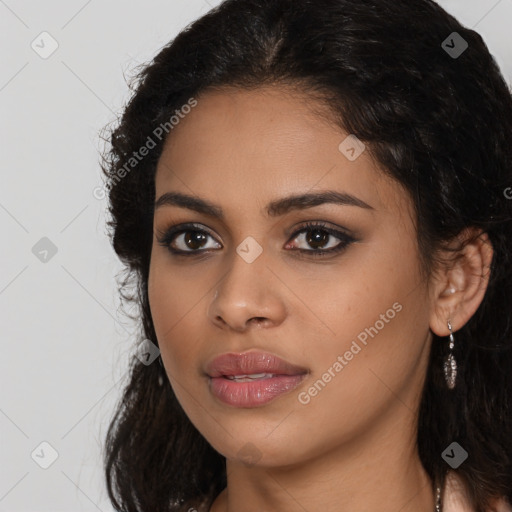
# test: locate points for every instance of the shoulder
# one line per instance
(456, 498)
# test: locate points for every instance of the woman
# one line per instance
(312, 200)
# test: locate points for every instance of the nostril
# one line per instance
(258, 319)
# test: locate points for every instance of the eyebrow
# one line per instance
(274, 208)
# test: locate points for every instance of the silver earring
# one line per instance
(160, 377)
(450, 365)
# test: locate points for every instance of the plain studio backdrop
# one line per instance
(65, 345)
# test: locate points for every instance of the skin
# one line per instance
(353, 446)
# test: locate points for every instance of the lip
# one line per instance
(250, 363)
(282, 378)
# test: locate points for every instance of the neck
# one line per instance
(366, 474)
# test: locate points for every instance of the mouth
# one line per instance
(254, 365)
(249, 378)
(252, 379)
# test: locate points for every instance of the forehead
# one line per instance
(240, 146)
(275, 118)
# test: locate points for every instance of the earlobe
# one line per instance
(460, 286)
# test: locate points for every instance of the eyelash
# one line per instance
(172, 233)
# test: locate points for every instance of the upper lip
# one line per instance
(248, 363)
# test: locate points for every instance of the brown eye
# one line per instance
(321, 239)
(316, 238)
(195, 240)
(186, 238)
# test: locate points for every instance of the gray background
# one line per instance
(64, 341)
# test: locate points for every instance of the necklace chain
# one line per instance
(438, 500)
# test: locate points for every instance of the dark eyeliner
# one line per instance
(345, 239)
(167, 237)
(170, 234)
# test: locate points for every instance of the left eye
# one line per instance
(316, 235)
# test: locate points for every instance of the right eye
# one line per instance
(185, 239)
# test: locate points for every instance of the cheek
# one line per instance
(178, 302)
(366, 285)
(373, 310)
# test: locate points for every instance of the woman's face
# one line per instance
(354, 322)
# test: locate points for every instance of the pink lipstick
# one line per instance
(251, 379)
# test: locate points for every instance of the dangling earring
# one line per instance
(160, 377)
(450, 365)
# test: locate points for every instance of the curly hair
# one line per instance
(438, 124)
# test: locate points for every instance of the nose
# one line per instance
(248, 294)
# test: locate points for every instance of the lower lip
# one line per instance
(252, 394)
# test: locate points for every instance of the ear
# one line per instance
(458, 287)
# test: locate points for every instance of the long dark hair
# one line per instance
(438, 122)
